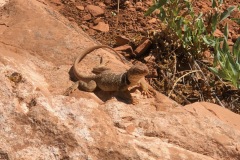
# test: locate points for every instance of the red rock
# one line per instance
(91, 32)
(122, 40)
(95, 10)
(127, 3)
(71, 19)
(150, 58)
(108, 1)
(101, 4)
(126, 48)
(153, 20)
(231, 33)
(141, 30)
(101, 26)
(149, 3)
(221, 113)
(156, 12)
(142, 47)
(97, 20)
(235, 37)
(87, 17)
(132, 9)
(131, 27)
(230, 42)
(139, 4)
(84, 27)
(81, 8)
(208, 56)
(203, 6)
(218, 33)
(55, 2)
(140, 8)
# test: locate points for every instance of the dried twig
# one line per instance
(180, 79)
(117, 12)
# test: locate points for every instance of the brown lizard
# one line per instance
(107, 80)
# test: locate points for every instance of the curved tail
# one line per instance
(83, 54)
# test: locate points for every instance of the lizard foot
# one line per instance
(148, 93)
(71, 89)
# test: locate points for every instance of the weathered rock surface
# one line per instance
(101, 26)
(37, 122)
(141, 49)
(122, 40)
(95, 10)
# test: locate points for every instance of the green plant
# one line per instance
(195, 33)
(189, 28)
(226, 62)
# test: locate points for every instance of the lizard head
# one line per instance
(136, 72)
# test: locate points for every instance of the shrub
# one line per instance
(195, 33)
(226, 62)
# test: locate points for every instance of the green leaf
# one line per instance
(222, 63)
(226, 31)
(206, 40)
(179, 23)
(214, 70)
(220, 2)
(225, 48)
(236, 50)
(200, 15)
(157, 5)
(150, 10)
(216, 58)
(231, 68)
(201, 28)
(162, 14)
(224, 74)
(209, 41)
(226, 13)
(160, 3)
(214, 21)
(232, 61)
(214, 4)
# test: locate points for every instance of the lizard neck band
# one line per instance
(124, 79)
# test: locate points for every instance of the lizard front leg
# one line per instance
(146, 90)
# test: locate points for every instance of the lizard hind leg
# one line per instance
(89, 87)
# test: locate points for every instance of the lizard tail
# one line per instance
(83, 54)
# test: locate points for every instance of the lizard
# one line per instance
(107, 80)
